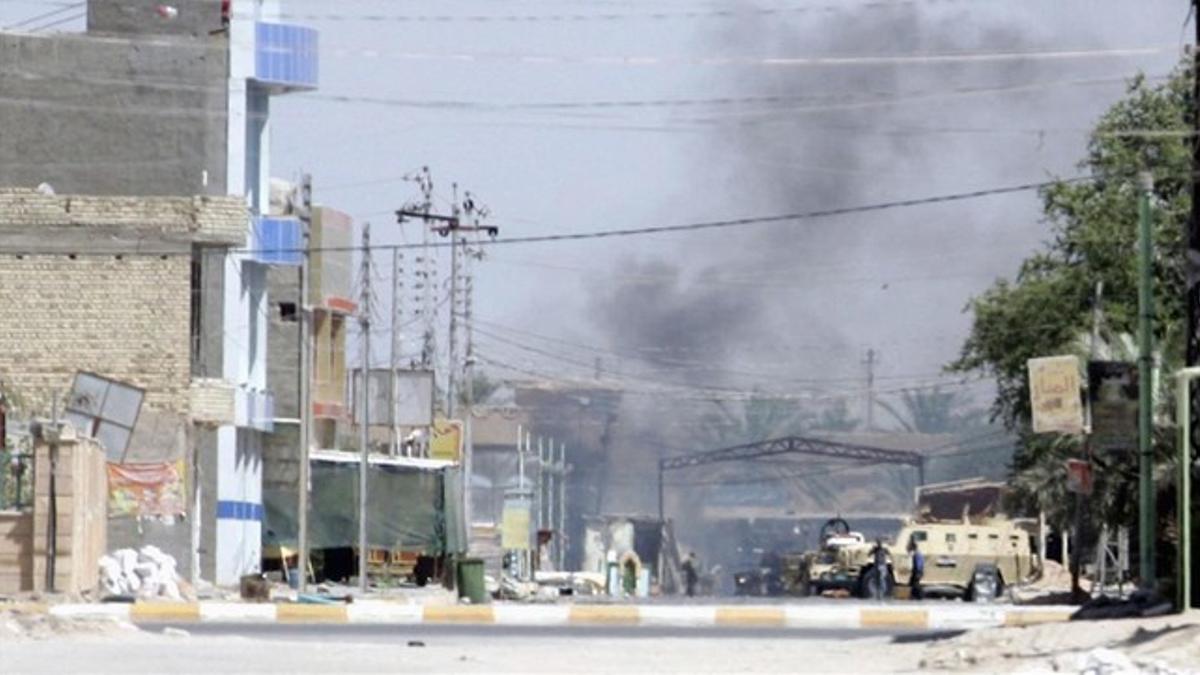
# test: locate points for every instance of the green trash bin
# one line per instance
(470, 581)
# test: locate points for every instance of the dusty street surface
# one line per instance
(456, 650)
(1166, 645)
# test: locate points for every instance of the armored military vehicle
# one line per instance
(974, 560)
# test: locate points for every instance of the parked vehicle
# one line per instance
(974, 560)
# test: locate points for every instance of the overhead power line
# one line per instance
(676, 363)
(734, 12)
(799, 216)
(44, 15)
(629, 60)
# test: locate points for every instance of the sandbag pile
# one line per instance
(146, 574)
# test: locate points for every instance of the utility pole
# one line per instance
(541, 486)
(52, 518)
(870, 364)
(1146, 507)
(364, 312)
(304, 212)
(452, 371)
(562, 506)
(551, 521)
(454, 227)
(1076, 562)
(468, 417)
(450, 226)
(397, 348)
(1192, 271)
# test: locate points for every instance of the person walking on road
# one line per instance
(918, 569)
(691, 574)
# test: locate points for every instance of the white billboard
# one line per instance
(406, 397)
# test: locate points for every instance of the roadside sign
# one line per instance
(1113, 395)
(447, 440)
(1054, 393)
(515, 521)
(1079, 476)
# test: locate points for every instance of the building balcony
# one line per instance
(277, 241)
(254, 409)
(285, 57)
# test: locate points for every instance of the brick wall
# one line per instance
(127, 319)
(215, 220)
(81, 515)
(77, 295)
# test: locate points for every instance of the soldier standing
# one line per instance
(918, 569)
(691, 573)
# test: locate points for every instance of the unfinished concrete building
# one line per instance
(146, 105)
(113, 286)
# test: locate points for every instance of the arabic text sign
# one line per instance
(1055, 395)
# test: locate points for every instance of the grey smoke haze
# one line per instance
(895, 280)
(720, 298)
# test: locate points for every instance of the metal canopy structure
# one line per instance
(790, 445)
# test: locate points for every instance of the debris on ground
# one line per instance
(16, 625)
(145, 574)
(573, 583)
(514, 589)
(1169, 644)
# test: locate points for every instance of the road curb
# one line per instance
(931, 617)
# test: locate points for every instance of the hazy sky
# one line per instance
(792, 300)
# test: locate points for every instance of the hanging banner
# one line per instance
(1113, 395)
(141, 490)
(447, 440)
(1054, 393)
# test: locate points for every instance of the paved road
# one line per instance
(236, 648)
(430, 633)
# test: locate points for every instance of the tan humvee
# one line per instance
(973, 559)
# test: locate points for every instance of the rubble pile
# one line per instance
(147, 574)
(1162, 645)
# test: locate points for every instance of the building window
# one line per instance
(197, 319)
(287, 311)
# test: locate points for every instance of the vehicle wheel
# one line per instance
(985, 585)
(869, 580)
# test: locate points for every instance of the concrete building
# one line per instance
(330, 290)
(144, 105)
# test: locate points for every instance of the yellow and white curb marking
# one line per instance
(917, 617)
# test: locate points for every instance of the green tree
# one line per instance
(1093, 233)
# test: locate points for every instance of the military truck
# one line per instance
(974, 560)
(817, 571)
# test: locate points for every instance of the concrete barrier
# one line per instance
(795, 616)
